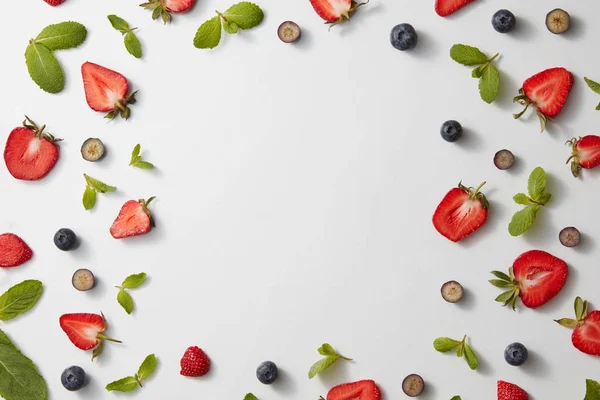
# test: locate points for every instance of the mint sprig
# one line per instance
(445, 344)
(331, 356)
(592, 390)
(538, 197)
(456, 398)
(595, 86)
(131, 282)
(93, 186)
(486, 71)
(136, 159)
(250, 396)
(243, 15)
(19, 299)
(132, 43)
(130, 383)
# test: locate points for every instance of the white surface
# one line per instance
(295, 189)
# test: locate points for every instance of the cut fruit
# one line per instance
(289, 32)
(92, 149)
(413, 385)
(504, 159)
(569, 236)
(452, 292)
(83, 280)
(558, 21)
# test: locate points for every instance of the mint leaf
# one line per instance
(136, 159)
(327, 350)
(250, 396)
(133, 45)
(62, 36)
(125, 301)
(19, 299)
(471, 357)
(489, 83)
(522, 198)
(592, 390)
(143, 165)
(230, 27)
(123, 385)
(89, 198)
(321, 365)
(460, 350)
(147, 368)
(133, 281)
(44, 68)
(478, 72)
(135, 153)
(467, 55)
(118, 23)
(456, 398)
(544, 199)
(444, 344)
(536, 185)
(595, 86)
(208, 35)
(98, 186)
(523, 220)
(245, 14)
(19, 377)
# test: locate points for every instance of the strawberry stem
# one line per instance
(103, 337)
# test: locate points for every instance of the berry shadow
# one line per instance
(305, 42)
(467, 303)
(470, 141)
(535, 366)
(91, 389)
(99, 290)
(426, 46)
(284, 384)
(576, 30)
(429, 392)
(586, 244)
(516, 169)
(524, 30)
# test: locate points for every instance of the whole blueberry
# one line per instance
(65, 239)
(404, 37)
(451, 131)
(515, 354)
(267, 372)
(73, 378)
(504, 21)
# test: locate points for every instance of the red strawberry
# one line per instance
(164, 8)
(462, 211)
(509, 391)
(30, 153)
(55, 3)
(586, 153)
(85, 331)
(13, 251)
(446, 7)
(134, 219)
(536, 277)
(106, 90)
(361, 390)
(194, 362)
(335, 12)
(547, 92)
(586, 336)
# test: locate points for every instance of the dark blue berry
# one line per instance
(451, 131)
(404, 37)
(267, 372)
(504, 21)
(73, 378)
(65, 239)
(515, 354)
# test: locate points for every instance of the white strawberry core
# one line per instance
(112, 97)
(465, 209)
(533, 279)
(34, 146)
(341, 7)
(91, 332)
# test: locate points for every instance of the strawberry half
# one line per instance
(335, 12)
(446, 7)
(134, 219)
(361, 390)
(462, 211)
(13, 251)
(106, 90)
(547, 91)
(586, 336)
(85, 331)
(164, 8)
(54, 3)
(30, 153)
(585, 154)
(536, 277)
(510, 391)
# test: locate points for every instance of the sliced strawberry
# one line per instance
(586, 336)
(13, 251)
(536, 277)
(335, 12)
(164, 8)
(547, 91)
(462, 211)
(510, 391)
(106, 90)
(30, 153)
(585, 154)
(54, 3)
(134, 219)
(361, 390)
(446, 7)
(85, 331)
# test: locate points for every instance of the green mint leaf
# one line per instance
(471, 357)
(250, 396)
(135, 153)
(133, 45)
(147, 368)
(230, 27)
(118, 23)
(522, 198)
(523, 220)
(460, 350)
(125, 301)
(327, 350)
(208, 35)
(489, 83)
(536, 185)
(19, 299)
(321, 365)
(456, 398)
(245, 14)
(567, 322)
(62, 36)
(44, 68)
(98, 186)
(595, 86)
(467, 55)
(501, 275)
(444, 344)
(143, 165)
(544, 198)
(136, 159)
(478, 72)
(592, 390)
(598, 106)
(123, 385)
(89, 198)
(133, 281)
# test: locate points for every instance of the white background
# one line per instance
(295, 188)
